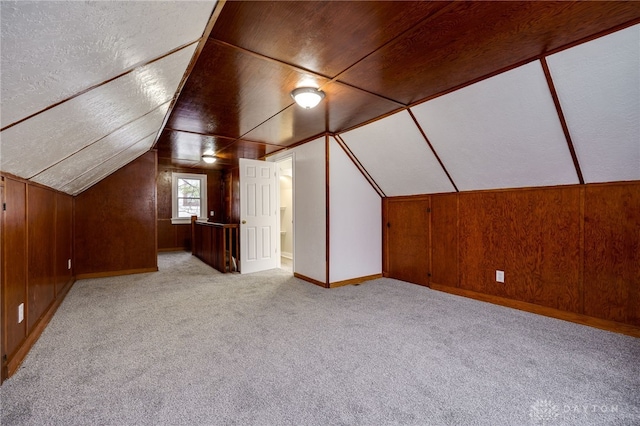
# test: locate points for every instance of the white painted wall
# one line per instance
(355, 220)
(286, 216)
(309, 198)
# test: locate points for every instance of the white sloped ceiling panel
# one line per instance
(93, 155)
(598, 85)
(503, 132)
(36, 144)
(355, 231)
(95, 175)
(54, 50)
(397, 157)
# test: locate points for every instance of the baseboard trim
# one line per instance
(311, 280)
(168, 249)
(115, 273)
(287, 255)
(354, 281)
(20, 354)
(602, 324)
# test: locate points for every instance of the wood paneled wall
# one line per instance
(531, 235)
(178, 237)
(572, 249)
(36, 248)
(115, 222)
(41, 249)
(612, 252)
(231, 195)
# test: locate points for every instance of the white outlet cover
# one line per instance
(20, 313)
(500, 276)
(69, 264)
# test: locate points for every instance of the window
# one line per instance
(188, 196)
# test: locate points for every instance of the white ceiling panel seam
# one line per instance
(99, 164)
(100, 140)
(102, 83)
(55, 50)
(501, 132)
(74, 124)
(111, 157)
(397, 157)
(63, 172)
(433, 150)
(598, 86)
(109, 166)
(359, 165)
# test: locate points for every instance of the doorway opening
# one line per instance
(285, 200)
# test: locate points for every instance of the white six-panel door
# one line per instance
(258, 216)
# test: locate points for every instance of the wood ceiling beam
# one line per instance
(359, 165)
(563, 122)
(424, 135)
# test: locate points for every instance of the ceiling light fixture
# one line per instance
(208, 158)
(307, 97)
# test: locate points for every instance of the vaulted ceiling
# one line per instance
(427, 96)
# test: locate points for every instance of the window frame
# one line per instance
(175, 220)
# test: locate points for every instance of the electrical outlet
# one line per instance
(500, 276)
(69, 264)
(212, 213)
(20, 313)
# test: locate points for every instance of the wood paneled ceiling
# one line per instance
(372, 58)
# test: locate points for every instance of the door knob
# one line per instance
(244, 221)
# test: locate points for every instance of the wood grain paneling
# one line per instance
(37, 244)
(335, 33)
(216, 244)
(444, 239)
(15, 263)
(407, 239)
(235, 196)
(475, 39)
(115, 221)
(570, 252)
(183, 237)
(369, 57)
(41, 214)
(187, 146)
(64, 241)
(531, 235)
(172, 237)
(612, 252)
(166, 235)
(231, 91)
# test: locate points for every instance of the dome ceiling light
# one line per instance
(208, 158)
(307, 97)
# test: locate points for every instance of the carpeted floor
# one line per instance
(190, 346)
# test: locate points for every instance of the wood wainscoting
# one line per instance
(571, 249)
(37, 263)
(115, 222)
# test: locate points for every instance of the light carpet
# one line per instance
(190, 346)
